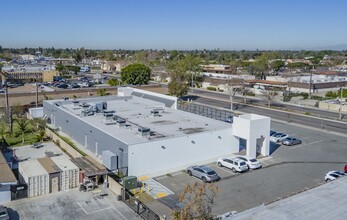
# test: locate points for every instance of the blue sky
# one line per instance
(173, 24)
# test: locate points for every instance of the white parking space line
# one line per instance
(160, 178)
(224, 169)
(303, 145)
(120, 213)
(176, 174)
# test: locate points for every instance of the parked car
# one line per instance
(252, 163)
(332, 175)
(37, 145)
(204, 173)
(63, 86)
(272, 133)
(3, 213)
(230, 119)
(289, 141)
(340, 173)
(235, 164)
(278, 137)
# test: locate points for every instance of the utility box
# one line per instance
(109, 160)
(130, 182)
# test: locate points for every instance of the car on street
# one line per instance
(235, 164)
(204, 173)
(3, 213)
(37, 145)
(252, 163)
(289, 141)
(230, 119)
(278, 137)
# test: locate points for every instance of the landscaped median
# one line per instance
(65, 143)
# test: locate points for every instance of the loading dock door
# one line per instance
(55, 184)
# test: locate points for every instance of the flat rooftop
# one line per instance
(327, 201)
(33, 168)
(6, 174)
(138, 113)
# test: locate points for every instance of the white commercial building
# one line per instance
(143, 132)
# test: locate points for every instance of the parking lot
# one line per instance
(289, 170)
(71, 204)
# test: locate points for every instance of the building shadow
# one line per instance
(273, 147)
(13, 214)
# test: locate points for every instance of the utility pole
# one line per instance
(37, 91)
(340, 113)
(192, 83)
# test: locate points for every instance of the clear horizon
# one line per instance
(181, 25)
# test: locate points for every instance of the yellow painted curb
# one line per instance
(142, 178)
(160, 195)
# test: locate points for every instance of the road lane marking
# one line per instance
(224, 169)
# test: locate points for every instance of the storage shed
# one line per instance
(32, 173)
(70, 172)
(54, 174)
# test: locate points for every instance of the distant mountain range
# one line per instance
(337, 47)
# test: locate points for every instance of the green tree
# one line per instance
(22, 125)
(184, 72)
(113, 82)
(101, 92)
(198, 200)
(136, 74)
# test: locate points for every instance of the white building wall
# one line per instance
(179, 153)
(69, 179)
(5, 194)
(38, 185)
(253, 127)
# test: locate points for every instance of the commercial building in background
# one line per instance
(144, 133)
(29, 73)
(7, 179)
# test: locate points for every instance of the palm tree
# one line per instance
(101, 92)
(22, 124)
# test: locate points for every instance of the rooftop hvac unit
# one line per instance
(85, 113)
(109, 111)
(84, 105)
(144, 131)
(75, 103)
(108, 116)
(155, 112)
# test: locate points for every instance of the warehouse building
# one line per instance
(142, 132)
(48, 175)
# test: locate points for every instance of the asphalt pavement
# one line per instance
(286, 116)
(274, 104)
